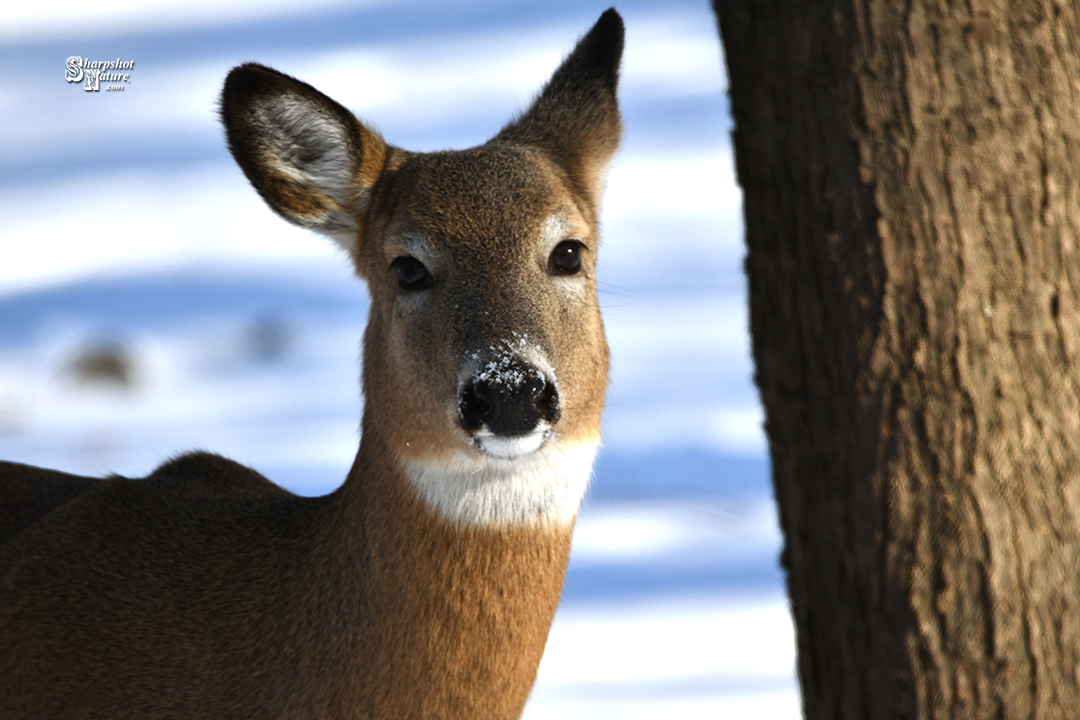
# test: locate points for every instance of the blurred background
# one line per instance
(151, 304)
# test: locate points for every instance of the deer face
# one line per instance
(485, 362)
(481, 265)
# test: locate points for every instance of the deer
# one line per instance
(426, 584)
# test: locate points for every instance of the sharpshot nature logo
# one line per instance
(96, 73)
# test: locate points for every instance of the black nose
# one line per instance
(509, 399)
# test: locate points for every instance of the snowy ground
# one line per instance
(126, 225)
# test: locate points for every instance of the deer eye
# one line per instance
(566, 258)
(411, 273)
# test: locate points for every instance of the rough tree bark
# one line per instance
(911, 173)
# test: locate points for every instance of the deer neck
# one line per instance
(454, 616)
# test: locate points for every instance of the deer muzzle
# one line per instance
(509, 407)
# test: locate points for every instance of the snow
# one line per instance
(672, 664)
(126, 227)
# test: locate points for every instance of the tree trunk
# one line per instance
(911, 179)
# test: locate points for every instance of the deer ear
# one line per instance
(309, 158)
(575, 119)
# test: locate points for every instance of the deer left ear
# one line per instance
(575, 119)
(311, 160)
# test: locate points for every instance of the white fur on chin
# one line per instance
(544, 487)
(510, 448)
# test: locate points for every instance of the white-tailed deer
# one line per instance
(425, 586)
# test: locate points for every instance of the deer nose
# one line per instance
(508, 398)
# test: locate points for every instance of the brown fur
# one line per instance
(207, 591)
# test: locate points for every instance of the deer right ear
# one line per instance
(309, 158)
(575, 119)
